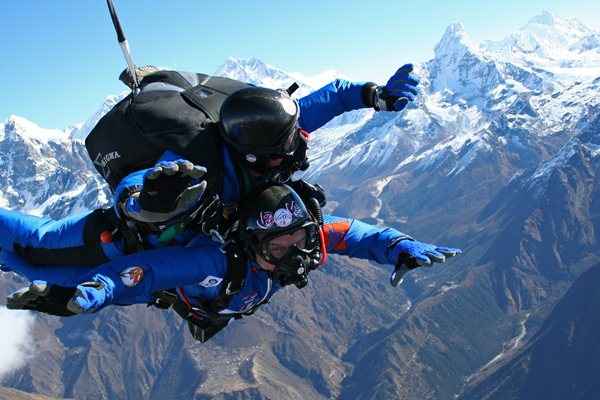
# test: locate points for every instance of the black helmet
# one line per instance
(260, 121)
(276, 215)
(261, 124)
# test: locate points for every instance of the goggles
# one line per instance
(277, 247)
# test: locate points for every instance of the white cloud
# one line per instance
(15, 339)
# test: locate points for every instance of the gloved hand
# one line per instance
(58, 300)
(411, 254)
(398, 91)
(169, 189)
(88, 297)
(42, 297)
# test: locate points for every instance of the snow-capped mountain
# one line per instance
(258, 73)
(473, 100)
(564, 48)
(45, 172)
(82, 130)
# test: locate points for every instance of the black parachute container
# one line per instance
(172, 110)
(167, 110)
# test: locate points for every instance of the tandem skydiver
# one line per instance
(277, 242)
(181, 151)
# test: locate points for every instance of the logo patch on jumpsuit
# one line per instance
(132, 276)
(211, 281)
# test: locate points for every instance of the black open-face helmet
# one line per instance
(277, 226)
(262, 124)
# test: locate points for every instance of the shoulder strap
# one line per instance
(234, 277)
(210, 94)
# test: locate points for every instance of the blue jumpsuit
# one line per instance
(197, 270)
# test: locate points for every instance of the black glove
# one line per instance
(42, 297)
(203, 332)
(169, 190)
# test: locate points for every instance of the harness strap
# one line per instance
(210, 94)
(204, 320)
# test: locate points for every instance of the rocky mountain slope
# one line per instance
(559, 361)
(12, 394)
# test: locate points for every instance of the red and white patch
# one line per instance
(132, 276)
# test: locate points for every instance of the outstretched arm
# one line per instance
(333, 99)
(134, 278)
(341, 96)
(355, 238)
(75, 240)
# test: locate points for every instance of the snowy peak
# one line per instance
(560, 46)
(44, 172)
(568, 26)
(19, 124)
(253, 67)
(257, 72)
(545, 32)
(82, 130)
(545, 18)
(455, 42)
(253, 70)
(460, 68)
(21, 127)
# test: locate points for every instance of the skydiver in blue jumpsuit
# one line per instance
(281, 241)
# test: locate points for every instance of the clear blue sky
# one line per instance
(60, 58)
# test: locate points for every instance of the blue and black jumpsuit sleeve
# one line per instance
(132, 279)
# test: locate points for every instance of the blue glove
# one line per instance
(89, 297)
(170, 189)
(58, 300)
(411, 254)
(400, 89)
